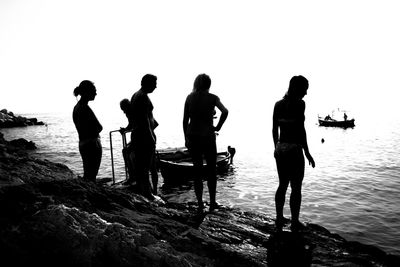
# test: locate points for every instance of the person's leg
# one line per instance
(296, 185)
(91, 157)
(132, 163)
(142, 160)
(197, 158)
(129, 163)
(125, 155)
(154, 173)
(280, 194)
(85, 155)
(211, 159)
(98, 152)
(140, 168)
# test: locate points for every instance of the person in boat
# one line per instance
(290, 140)
(345, 116)
(127, 151)
(88, 128)
(200, 134)
(328, 117)
(143, 138)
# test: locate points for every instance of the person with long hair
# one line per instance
(88, 128)
(290, 140)
(199, 134)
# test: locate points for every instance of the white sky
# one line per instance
(249, 48)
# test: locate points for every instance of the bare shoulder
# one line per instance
(279, 104)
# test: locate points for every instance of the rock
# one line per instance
(8, 120)
(17, 167)
(289, 249)
(51, 218)
(33, 121)
(21, 143)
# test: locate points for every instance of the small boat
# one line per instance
(331, 120)
(176, 165)
(335, 123)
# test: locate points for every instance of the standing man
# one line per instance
(143, 138)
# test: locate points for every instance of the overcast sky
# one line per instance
(249, 48)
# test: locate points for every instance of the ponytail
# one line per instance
(83, 87)
(77, 91)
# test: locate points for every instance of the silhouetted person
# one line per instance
(88, 128)
(200, 135)
(127, 152)
(345, 116)
(154, 173)
(290, 140)
(142, 137)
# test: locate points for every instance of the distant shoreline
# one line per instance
(9, 120)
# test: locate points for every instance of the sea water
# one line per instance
(352, 191)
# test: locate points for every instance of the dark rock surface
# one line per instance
(9, 120)
(48, 217)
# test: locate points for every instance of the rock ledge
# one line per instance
(49, 217)
(9, 120)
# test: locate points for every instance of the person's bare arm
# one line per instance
(306, 151)
(305, 145)
(129, 126)
(275, 132)
(224, 115)
(185, 122)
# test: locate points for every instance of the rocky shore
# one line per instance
(9, 120)
(49, 217)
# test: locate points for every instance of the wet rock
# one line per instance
(17, 167)
(22, 143)
(289, 249)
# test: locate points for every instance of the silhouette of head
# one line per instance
(149, 83)
(202, 83)
(86, 90)
(298, 86)
(124, 104)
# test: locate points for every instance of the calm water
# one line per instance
(353, 191)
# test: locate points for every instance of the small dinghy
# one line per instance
(176, 165)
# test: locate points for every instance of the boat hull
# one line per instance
(334, 123)
(176, 165)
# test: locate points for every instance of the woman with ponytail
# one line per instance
(88, 128)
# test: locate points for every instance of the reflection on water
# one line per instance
(185, 192)
(352, 191)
